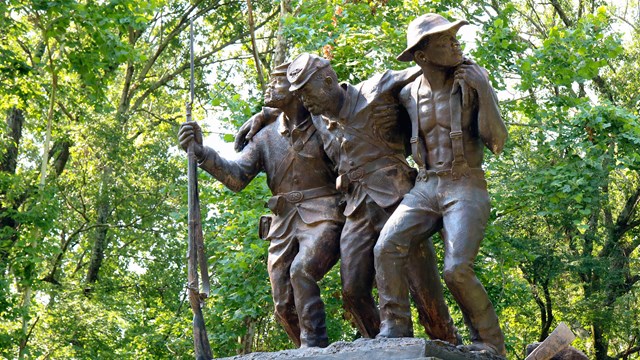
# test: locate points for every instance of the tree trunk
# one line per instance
(60, 152)
(599, 342)
(247, 339)
(100, 243)
(254, 46)
(546, 326)
(15, 119)
(8, 163)
(280, 53)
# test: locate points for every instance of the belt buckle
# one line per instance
(294, 196)
(356, 174)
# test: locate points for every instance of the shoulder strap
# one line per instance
(459, 167)
(417, 145)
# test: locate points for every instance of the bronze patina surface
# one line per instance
(454, 114)
(304, 231)
(361, 126)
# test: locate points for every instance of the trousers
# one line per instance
(296, 262)
(459, 209)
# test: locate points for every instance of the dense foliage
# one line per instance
(93, 193)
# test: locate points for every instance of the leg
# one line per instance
(464, 224)
(409, 224)
(425, 287)
(319, 250)
(357, 272)
(282, 251)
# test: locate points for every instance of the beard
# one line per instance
(317, 106)
(274, 99)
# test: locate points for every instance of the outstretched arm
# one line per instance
(394, 80)
(235, 175)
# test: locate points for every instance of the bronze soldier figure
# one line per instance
(307, 221)
(454, 114)
(361, 130)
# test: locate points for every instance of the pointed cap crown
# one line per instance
(280, 70)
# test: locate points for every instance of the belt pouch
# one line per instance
(265, 226)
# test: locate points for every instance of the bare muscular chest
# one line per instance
(434, 111)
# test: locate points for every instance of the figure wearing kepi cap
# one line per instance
(304, 231)
(362, 129)
(454, 114)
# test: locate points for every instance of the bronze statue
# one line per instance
(454, 114)
(361, 129)
(305, 228)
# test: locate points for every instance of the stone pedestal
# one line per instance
(375, 349)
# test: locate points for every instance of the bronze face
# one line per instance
(277, 92)
(316, 94)
(442, 50)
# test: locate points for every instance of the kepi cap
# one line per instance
(302, 68)
(425, 25)
(280, 70)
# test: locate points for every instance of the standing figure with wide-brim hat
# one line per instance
(454, 114)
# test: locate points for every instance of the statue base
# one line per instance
(376, 349)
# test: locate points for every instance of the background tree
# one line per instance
(92, 249)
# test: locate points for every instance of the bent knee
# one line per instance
(302, 272)
(387, 245)
(458, 274)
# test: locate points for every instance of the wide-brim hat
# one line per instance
(425, 25)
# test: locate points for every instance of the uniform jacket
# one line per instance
(306, 166)
(367, 139)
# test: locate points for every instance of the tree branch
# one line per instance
(67, 112)
(565, 19)
(197, 62)
(603, 88)
(627, 352)
(124, 96)
(624, 223)
(182, 23)
(51, 277)
(254, 46)
(635, 29)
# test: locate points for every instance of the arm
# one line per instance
(394, 80)
(405, 121)
(405, 95)
(492, 130)
(253, 125)
(235, 175)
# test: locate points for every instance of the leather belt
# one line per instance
(277, 202)
(298, 196)
(424, 174)
(377, 164)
